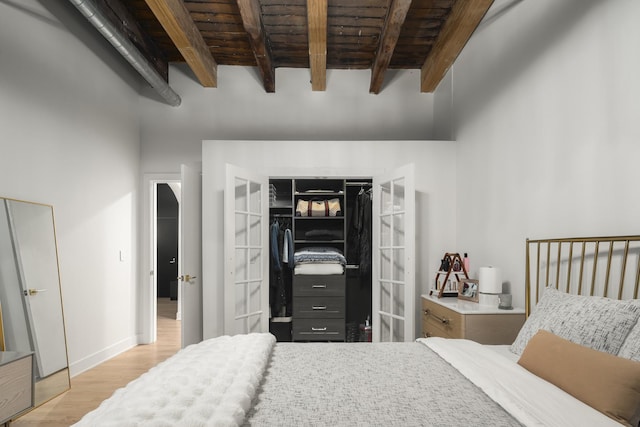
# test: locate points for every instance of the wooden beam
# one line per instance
(388, 39)
(176, 21)
(456, 31)
(252, 21)
(317, 24)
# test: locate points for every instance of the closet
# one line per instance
(376, 278)
(320, 247)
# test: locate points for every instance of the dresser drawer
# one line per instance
(318, 329)
(439, 321)
(311, 285)
(16, 386)
(318, 307)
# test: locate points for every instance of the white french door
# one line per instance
(393, 293)
(246, 283)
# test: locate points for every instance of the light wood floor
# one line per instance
(93, 386)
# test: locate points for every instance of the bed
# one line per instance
(575, 362)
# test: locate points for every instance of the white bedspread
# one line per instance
(528, 398)
(207, 384)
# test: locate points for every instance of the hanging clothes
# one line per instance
(287, 250)
(280, 280)
(359, 233)
(275, 250)
(277, 293)
(365, 206)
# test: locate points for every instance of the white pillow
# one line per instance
(596, 322)
(631, 347)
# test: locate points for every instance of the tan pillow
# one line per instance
(603, 381)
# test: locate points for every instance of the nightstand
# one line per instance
(16, 384)
(450, 317)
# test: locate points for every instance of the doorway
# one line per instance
(162, 208)
(167, 243)
(167, 210)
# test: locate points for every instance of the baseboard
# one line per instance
(97, 358)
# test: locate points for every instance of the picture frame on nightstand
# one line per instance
(468, 290)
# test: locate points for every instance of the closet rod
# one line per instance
(358, 183)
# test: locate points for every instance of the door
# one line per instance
(190, 259)
(393, 271)
(246, 278)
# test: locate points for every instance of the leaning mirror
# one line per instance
(30, 296)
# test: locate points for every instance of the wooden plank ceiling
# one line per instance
(313, 34)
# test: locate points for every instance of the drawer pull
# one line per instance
(319, 286)
(442, 320)
(319, 329)
(319, 307)
(426, 335)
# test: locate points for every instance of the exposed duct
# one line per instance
(93, 14)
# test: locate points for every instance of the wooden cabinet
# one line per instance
(454, 318)
(16, 384)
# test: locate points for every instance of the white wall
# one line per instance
(69, 137)
(547, 109)
(435, 201)
(240, 109)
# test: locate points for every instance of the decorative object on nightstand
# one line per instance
(451, 267)
(489, 285)
(504, 302)
(468, 290)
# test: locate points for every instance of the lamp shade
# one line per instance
(490, 280)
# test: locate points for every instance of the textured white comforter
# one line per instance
(207, 384)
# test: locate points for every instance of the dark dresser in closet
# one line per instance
(319, 307)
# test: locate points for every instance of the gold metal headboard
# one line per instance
(594, 266)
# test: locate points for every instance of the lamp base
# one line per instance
(488, 299)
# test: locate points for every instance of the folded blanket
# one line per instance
(318, 269)
(319, 255)
(323, 234)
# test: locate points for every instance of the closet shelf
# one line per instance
(318, 241)
(319, 193)
(323, 218)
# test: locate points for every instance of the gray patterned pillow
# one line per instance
(595, 322)
(631, 347)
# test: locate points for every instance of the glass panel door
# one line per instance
(246, 252)
(394, 262)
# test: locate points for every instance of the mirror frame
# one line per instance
(58, 382)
